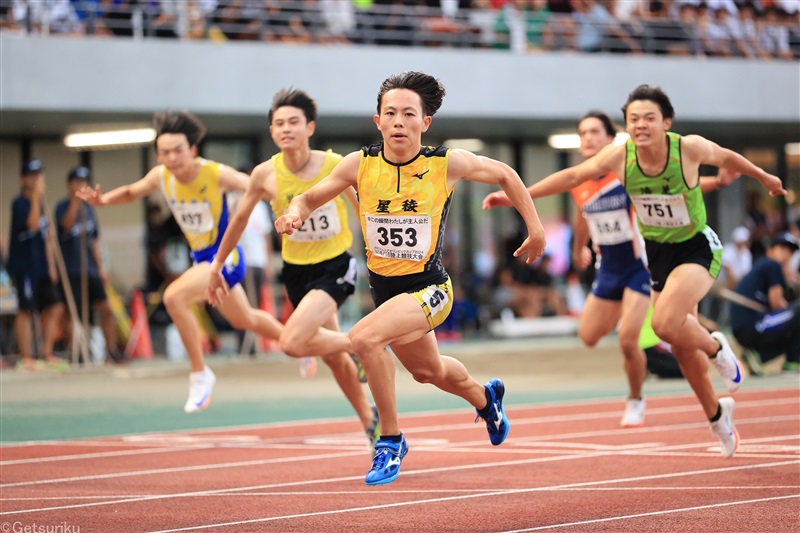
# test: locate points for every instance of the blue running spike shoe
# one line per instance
(496, 422)
(386, 462)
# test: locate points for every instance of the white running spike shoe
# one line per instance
(727, 364)
(634, 413)
(200, 386)
(724, 429)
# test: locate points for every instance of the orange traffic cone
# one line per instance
(140, 344)
(267, 303)
(286, 308)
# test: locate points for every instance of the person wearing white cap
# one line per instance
(737, 260)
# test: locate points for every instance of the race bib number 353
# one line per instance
(662, 210)
(399, 237)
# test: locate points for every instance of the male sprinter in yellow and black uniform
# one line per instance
(195, 189)
(405, 191)
(318, 272)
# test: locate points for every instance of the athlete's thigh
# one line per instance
(191, 285)
(634, 313)
(235, 307)
(419, 354)
(316, 309)
(400, 320)
(686, 285)
(599, 317)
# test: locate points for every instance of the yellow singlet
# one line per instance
(403, 210)
(200, 207)
(325, 234)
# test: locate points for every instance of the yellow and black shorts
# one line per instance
(433, 291)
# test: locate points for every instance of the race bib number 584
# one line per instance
(399, 237)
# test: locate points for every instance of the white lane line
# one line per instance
(315, 493)
(590, 415)
(343, 453)
(480, 495)
(654, 513)
(158, 471)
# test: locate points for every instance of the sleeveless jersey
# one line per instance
(325, 234)
(668, 210)
(611, 220)
(403, 209)
(200, 207)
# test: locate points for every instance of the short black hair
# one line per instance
(294, 98)
(179, 122)
(653, 94)
(611, 130)
(430, 90)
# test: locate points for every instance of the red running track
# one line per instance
(565, 467)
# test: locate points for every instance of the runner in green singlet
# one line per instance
(660, 172)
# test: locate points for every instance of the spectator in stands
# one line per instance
(32, 266)
(339, 17)
(749, 31)
(756, 222)
(773, 35)
(737, 260)
(480, 19)
(78, 237)
(53, 17)
(726, 26)
(775, 328)
(521, 24)
(714, 38)
(238, 20)
(595, 25)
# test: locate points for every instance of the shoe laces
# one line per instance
(383, 452)
(495, 415)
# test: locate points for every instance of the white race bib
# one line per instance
(321, 225)
(662, 210)
(610, 227)
(399, 237)
(193, 217)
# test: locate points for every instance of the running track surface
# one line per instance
(565, 467)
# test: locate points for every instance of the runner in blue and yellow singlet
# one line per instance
(196, 192)
(318, 272)
(660, 172)
(405, 191)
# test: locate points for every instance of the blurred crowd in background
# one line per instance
(713, 28)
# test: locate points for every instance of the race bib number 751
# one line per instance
(661, 210)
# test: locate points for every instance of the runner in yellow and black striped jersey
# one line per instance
(405, 191)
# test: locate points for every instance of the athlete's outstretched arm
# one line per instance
(723, 178)
(256, 190)
(708, 152)
(609, 159)
(343, 175)
(468, 166)
(231, 179)
(121, 195)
